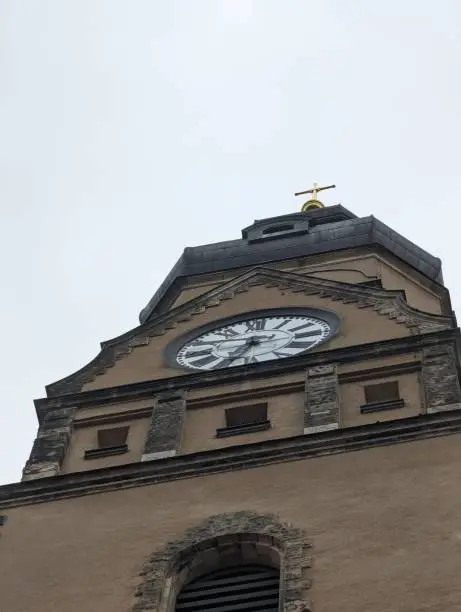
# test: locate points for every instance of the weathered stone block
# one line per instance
(440, 378)
(321, 412)
(165, 431)
(50, 445)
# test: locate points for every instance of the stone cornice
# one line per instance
(391, 304)
(229, 459)
(147, 389)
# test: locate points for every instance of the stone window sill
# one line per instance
(237, 430)
(379, 406)
(96, 453)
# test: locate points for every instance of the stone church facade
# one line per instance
(280, 432)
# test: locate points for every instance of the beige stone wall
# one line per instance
(379, 362)
(352, 396)
(106, 409)
(189, 293)
(343, 267)
(84, 438)
(384, 524)
(247, 387)
(417, 296)
(393, 275)
(285, 397)
(346, 267)
(285, 413)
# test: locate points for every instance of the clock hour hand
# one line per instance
(237, 352)
(271, 337)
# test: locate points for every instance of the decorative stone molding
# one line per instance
(224, 540)
(158, 455)
(440, 378)
(166, 427)
(50, 445)
(320, 428)
(391, 304)
(321, 408)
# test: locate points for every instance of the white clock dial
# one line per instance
(253, 341)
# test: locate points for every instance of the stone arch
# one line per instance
(219, 541)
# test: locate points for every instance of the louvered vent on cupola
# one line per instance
(285, 226)
(245, 588)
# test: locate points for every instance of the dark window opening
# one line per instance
(246, 415)
(382, 396)
(114, 436)
(111, 441)
(278, 228)
(250, 588)
(382, 392)
(244, 419)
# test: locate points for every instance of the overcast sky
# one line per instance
(130, 129)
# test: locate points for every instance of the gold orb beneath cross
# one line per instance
(311, 204)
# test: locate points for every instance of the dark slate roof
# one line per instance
(288, 236)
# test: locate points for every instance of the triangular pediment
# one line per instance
(384, 303)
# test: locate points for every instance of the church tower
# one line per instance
(281, 432)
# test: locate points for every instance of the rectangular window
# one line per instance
(111, 441)
(244, 419)
(246, 415)
(114, 436)
(382, 396)
(382, 392)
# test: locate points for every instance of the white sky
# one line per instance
(130, 129)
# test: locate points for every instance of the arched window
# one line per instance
(231, 562)
(241, 588)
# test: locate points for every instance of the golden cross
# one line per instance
(315, 189)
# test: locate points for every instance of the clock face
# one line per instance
(262, 338)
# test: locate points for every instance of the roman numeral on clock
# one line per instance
(226, 333)
(285, 351)
(202, 362)
(255, 325)
(199, 343)
(295, 329)
(304, 344)
(314, 332)
(191, 352)
(284, 322)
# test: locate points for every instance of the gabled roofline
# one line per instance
(391, 302)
